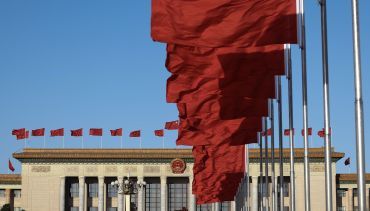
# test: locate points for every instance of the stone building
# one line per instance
(80, 179)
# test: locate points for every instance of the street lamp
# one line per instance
(128, 187)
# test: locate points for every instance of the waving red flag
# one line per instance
(174, 125)
(219, 23)
(23, 134)
(136, 133)
(38, 132)
(77, 132)
(57, 132)
(96, 132)
(18, 131)
(321, 133)
(309, 131)
(116, 132)
(287, 132)
(159, 133)
(10, 165)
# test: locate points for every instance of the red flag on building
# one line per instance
(347, 161)
(116, 132)
(57, 132)
(96, 132)
(321, 133)
(219, 23)
(23, 134)
(10, 165)
(77, 132)
(287, 132)
(15, 132)
(159, 133)
(309, 131)
(174, 125)
(38, 132)
(136, 133)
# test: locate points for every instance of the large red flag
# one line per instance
(10, 165)
(220, 23)
(96, 132)
(116, 132)
(57, 132)
(159, 133)
(38, 132)
(173, 125)
(77, 132)
(136, 133)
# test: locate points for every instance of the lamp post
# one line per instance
(127, 188)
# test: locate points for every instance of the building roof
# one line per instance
(109, 154)
(350, 178)
(10, 179)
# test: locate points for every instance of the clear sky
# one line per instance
(92, 63)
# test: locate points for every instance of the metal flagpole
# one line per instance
(82, 141)
(63, 141)
(291, 129)
(360, 146)
(101, 142)
(163, 142)
(261, 171)
(281, 165)
(140, 141)
(121, 142)
(274, 193)
(44, 141)
(307, 192)
(266, 166)
(246, 201)
(327, 140)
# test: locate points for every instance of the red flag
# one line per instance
(174, 125)
(96, 132)
(347, 161)
(287, 132)
(116, 132)
(23, 134)
(57, 132)
(159, 133)
(309, 131)
(38, 132)
(136, 133)
(10, 165)
(269, 132)
(77, 132)
(220, 23)
(15, 132)
(321, 133)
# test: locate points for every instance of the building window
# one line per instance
(285, 189)
(2, 193)
(341, 193)
(225, 206)
(153, 196)
(355, 208)
(112, 209)
(204, 207)
(17, 193)
(177, 196)
(74, 208)
(286, 208)
(341, 208)
(112, 191)
(74, 191)
(93, 209)
(93, 190)
(354, 192)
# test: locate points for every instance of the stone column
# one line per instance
(217, 206)
(100, 193)
(191, 197)
(62, 193)
(367, 198)
(232, 206)
(120, 205)
(81, 193)
(350, 199)
(163, 193)
(254, 193)
(140, 201)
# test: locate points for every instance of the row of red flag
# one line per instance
(223, 57)
(24, 134)
(320, 133)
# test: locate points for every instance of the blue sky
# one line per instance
(92, 63)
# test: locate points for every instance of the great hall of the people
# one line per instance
(81, 180)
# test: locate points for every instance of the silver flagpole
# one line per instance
(266, 167)
(261, 171)
(291, 129)
(307, 191)
(274, 192)
(360, 146)
(281, 165)
(327, 140)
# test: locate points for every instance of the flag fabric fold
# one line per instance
(159, 133)
(10, 166)
(136, 133)
(96, 132)
(57, 132)
(38, 132)
(77, 132)
(173, 125)
(116, 132)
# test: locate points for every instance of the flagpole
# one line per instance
(307, 191)
(44, 141)
(291, 128)
(82, 138)
(281, 164)
(273, 184)
(101, 142)
(63, 141)
(360, 142)
(261, 171)
(121, 142)
(266, 165)
(140, 142)
(163, 142)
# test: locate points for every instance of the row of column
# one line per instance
(120, 197)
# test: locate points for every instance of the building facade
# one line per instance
(80, 180)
